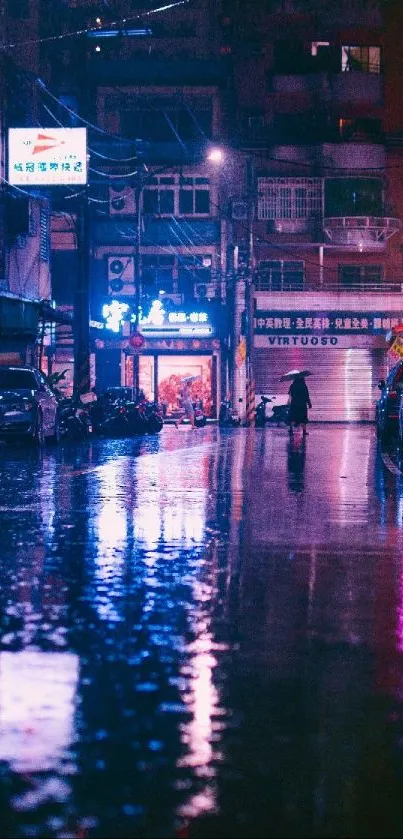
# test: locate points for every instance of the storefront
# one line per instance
(346, 353)
(178, 346)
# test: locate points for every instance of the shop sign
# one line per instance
(47, 157)
(184, 324)
(311, 340)
(334, 323)
(240, 355)
(396, 350)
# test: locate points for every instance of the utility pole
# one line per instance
(137, 279)
(250, 297)
(82, 378)
(243, 311)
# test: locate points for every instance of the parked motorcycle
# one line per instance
(113, 415)
(228, 416)
(74, 419)
(110, 419)
(278, 415)
(200, 417)
(155, 417)
(260, 412)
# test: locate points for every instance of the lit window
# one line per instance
(361, 59)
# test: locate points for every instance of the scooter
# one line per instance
(228, 417)
(74, 419)
(200, 417)
(278, 415)
(260, 412)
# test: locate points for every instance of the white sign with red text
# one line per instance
(47, 157)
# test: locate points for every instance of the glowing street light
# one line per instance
(216, 155)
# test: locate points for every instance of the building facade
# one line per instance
(154, 100)
(316, 98)
(285, 254)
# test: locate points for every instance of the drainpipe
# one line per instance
(320, 264)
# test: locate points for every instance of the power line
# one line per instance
(116, 24)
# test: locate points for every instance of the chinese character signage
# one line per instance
(187, 324)
(47, 157)
(336, 323)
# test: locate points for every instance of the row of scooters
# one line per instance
(116, 413)
(230, 417)
(112, 414)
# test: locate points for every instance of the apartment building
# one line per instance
(318, 116)
(152, 90)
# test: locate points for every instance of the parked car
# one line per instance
(387, 406)
(28, 406)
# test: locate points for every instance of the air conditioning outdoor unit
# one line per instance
(122, 200)
(207, 291)
(176, 299)
(120, 275)
(239, 210)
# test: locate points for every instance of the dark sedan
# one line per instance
(28, 406)
(387, 407)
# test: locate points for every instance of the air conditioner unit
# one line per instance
(239, 210)
(120, 275)
(122, 200)
(176, 299)
(207, 291)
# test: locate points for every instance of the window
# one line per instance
(353, 197)
(280, 275)
(159, 197)
(360, 276)
(360, 130)
(194, 196)
(14, 379)
(192, 270)
(363, 59)
(296, 128)
(158, 272)
(318, 46)
(161, 120)
(177, 196)
(289, 198)
(253, 124)
(175, 273)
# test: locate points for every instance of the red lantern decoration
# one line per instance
(137, 341)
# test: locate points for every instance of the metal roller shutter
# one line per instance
(343, 385)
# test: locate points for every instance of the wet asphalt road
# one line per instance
(201, 635)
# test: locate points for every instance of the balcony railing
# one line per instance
(267, 284)
(367, 232)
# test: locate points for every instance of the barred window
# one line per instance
(289, 198)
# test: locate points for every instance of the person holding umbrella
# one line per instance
(299, 399)
(187, 404)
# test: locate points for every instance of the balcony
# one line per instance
(330, 295)
(367, 233)
(264, 283)
(331, 87)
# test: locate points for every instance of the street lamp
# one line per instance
(242, 384)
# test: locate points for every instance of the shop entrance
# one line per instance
(174, 369)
